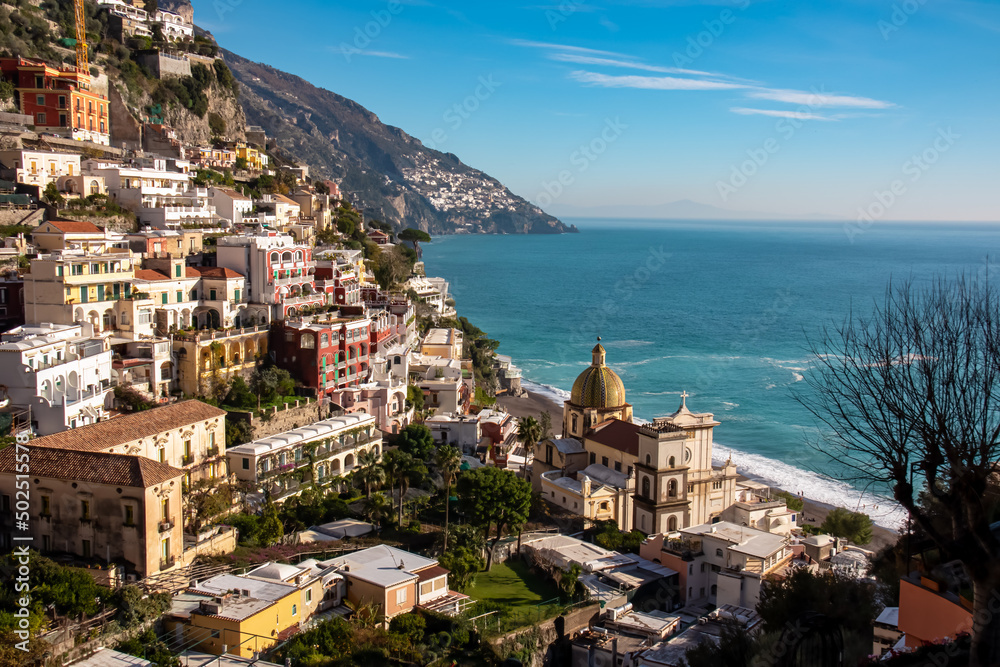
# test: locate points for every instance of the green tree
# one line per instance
(402, 469)
(529, 432)
(494, 499)
(369, 472)
(844, 602)
(414, 236)
(854, 526)
(6, 90)
(52, 196)
(271, 529)
(462, 563)
(240, 395)
(412, 626)
(377, 508)
(735, 647)
(448, 461)
(149, 647)
(792, 501)
(270, 383)
(416, 440)
(414, 397)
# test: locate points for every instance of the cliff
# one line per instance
(390, 174)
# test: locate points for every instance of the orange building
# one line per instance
(927, 612)
(59, 99)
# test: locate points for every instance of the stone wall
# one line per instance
(549, 641)
(277, 420)
(164, 65)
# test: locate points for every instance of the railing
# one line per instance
(216, 334)
(212, 451)
(167, 563)
(187, 459)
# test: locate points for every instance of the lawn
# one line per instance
(513, 584)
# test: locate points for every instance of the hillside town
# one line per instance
(243, 423)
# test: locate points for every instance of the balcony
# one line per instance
(166, 526)
(212, 451)
(187, 460)
(167, 563)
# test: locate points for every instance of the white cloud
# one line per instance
(610, 62)
(378, 54)
(565, 47)
(781, 113)
(818, 99)
(650, 82)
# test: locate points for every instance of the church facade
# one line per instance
(663, 468)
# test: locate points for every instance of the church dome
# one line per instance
(598, 386)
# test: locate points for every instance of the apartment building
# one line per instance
(328, 354)
(59, 99)
(720, 563)
(320, 452)
(121, 508)
(61, 372)
(158, 190)
(75, 235)
(69, 286)
(279, 272)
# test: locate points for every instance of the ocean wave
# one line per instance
(730, 406)
(813, 485)
(628, 343)
(548, 391)
(770, 386)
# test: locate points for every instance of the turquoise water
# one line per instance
(722, 311)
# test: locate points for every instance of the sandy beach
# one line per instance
(813, 512)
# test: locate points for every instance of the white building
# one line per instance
(322, 451)
(280, 272)
(173, 26)
(36, 167)
(230, 204)
(158, 190)
(61, 372)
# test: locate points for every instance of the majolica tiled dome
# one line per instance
(598, 386)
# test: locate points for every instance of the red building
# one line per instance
(59, 99)
(328, 356)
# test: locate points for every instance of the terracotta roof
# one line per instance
(94, 467)
(233, 194)
(150, 275)
(76, 227)
(431, 572)
(283, 198)
(617, 434)
(216, 272)
(191, 272)
(131, 427)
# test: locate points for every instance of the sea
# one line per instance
(724, 311)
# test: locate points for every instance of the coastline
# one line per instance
(813, 513)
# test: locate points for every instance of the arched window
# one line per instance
(718, 553)
(573, 428)
(95, 188)
(672, 462)
(649, 459)
(672, 524)
(672, 488)
(645, 487)
(307, 342)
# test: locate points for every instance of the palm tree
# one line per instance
(376, 507)
(448, 461)
(529, 431)
(369, 472)
(400, 467)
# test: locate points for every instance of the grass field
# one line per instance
(513, 584)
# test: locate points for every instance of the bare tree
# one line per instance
(911, 394)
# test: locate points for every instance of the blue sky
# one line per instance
(792, 107)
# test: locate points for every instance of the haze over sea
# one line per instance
(721, 310)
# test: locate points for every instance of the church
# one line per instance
(656, 477)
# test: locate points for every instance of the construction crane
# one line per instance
(81, 37)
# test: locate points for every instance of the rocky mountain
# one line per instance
(390, 174)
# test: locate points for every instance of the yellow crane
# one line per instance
(81, 37)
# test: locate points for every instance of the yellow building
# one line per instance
(208, 358)
(669, 461)
(98, 506)
(256, 159)
(69, 286)
(243, 615)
